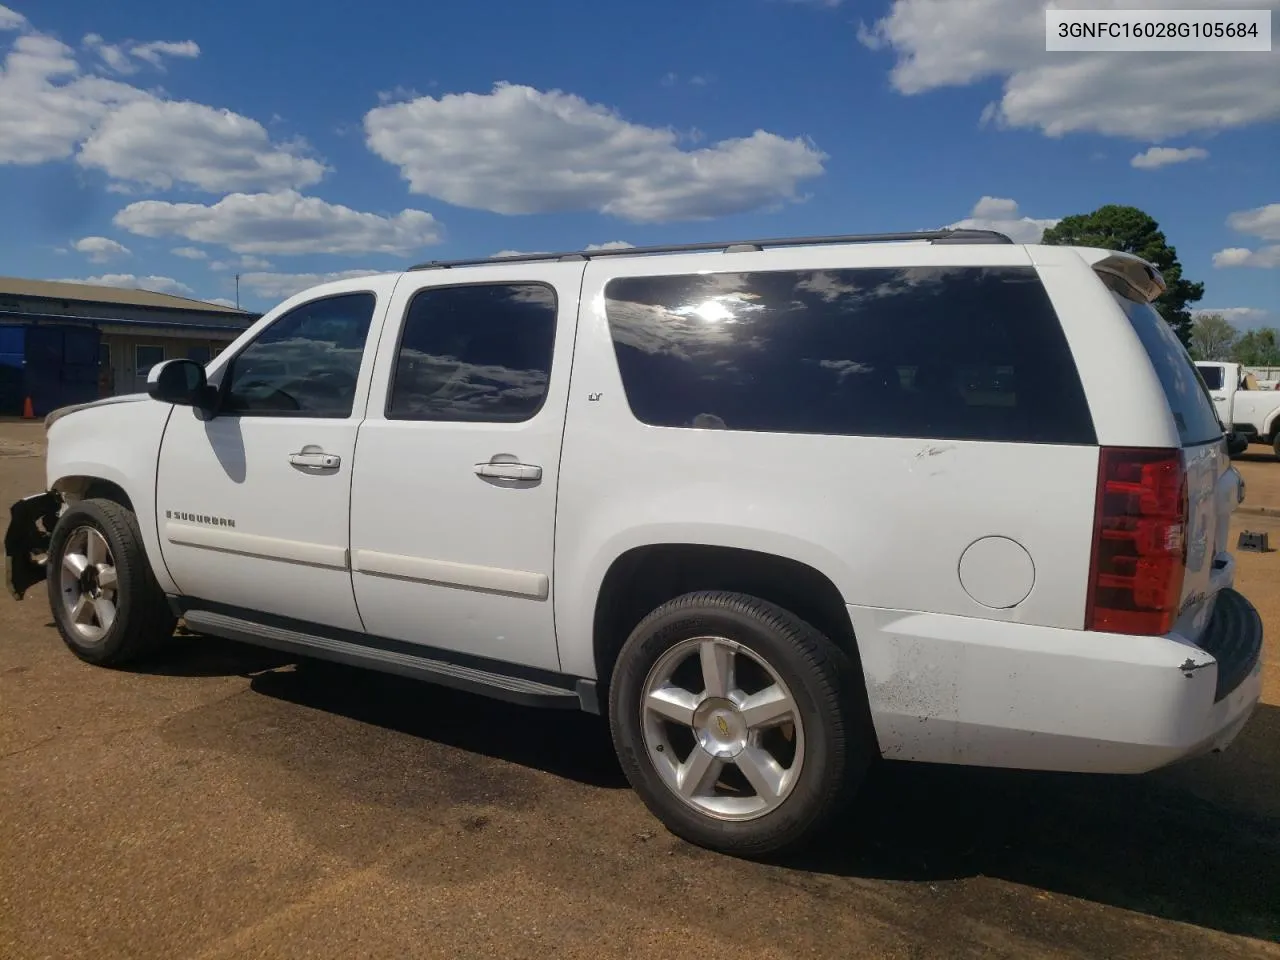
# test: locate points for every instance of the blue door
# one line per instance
(62, 366)
(13, 350)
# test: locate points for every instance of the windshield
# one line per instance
(1183, 386)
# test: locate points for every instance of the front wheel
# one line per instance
(740, 726)
(104, 598)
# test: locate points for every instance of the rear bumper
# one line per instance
(31, 521)
(949, 689)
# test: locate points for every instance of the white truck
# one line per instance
(777, 509)
(1251, 413)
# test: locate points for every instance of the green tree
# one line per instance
(1212, 337)
(1130, 230)
(1258, 348)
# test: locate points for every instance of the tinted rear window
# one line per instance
(973, 353)
(1183, 386)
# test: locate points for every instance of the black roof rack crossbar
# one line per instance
(738, 246)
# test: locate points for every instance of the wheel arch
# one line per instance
(643, 578)
(87, 487)
(1271, 427)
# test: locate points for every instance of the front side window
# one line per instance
(964, 353)
(305, 364)
(477, 353)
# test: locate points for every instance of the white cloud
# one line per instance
(11, 19)
(160, 143)
(46, 105)
(246, 262)
(281, 223)
(608, 245)
(521, 150)
(1143, 96)
(1265, 257)
(153, 52)
(279, 286)
(397, 93)
(1002, 215)
(49, 103)
(1261, 222)
(1157, 157)
(124, 57)
(1242, 318)
(222, 301)
(129, 282)
(189, 253)
(100, 249)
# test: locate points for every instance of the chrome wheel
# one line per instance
(88, 583)
(722, 729)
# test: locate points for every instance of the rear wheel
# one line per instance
(104, 598)
(739, 725)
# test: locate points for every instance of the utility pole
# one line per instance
(237, 291)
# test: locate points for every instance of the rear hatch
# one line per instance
(1207, 477)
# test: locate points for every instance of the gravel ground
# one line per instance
(227, 803)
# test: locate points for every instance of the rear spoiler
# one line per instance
(1131, 277)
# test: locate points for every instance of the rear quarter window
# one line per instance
(1184, 388)
(971, 353)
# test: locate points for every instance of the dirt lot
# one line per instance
(225, 803)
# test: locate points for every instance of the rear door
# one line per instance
(1211, 483)
(1222, 389)
(457, 463)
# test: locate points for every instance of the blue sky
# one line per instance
(291, 141)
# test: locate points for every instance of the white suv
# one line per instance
(776, 509)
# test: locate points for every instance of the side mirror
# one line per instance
(181, 382)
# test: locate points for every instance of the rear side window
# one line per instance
(478, 353)
(972, 353)
(1184, 388)
(1212, 376)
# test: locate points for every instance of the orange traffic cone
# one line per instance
(28, 411)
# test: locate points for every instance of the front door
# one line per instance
(454, 492)
(253, 505)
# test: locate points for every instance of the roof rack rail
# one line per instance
(733, 246)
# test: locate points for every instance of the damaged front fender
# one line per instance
(31, 522)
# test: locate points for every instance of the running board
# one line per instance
(487, 683)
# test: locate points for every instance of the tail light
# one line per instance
(1139, 541)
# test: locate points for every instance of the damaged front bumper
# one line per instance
(26, 542)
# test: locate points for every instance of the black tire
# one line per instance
(1275, 443)
(824, 683)
(143, 619)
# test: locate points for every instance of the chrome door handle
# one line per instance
(316, 461)
(509, 471)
